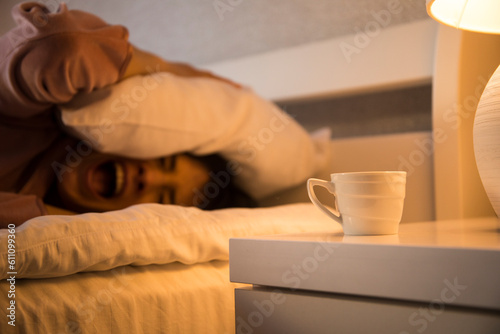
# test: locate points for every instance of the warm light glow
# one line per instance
(475, 15)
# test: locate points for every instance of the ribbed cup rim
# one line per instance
(402, 173)
(379, 177)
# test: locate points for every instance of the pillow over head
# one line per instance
(162, 114)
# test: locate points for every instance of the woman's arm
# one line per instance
(143, 62)
(16, 209)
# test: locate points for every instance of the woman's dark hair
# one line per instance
(221, 192)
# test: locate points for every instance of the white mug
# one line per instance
(365, 203)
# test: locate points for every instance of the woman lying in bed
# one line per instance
(46, 60)
(54, 60)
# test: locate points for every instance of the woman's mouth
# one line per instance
(107, 179)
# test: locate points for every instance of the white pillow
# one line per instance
(162, 114)
(52, 246)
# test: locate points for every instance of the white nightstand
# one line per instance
(433, 277)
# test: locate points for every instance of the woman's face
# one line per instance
(104, 182)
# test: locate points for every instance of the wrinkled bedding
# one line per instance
(53, 246)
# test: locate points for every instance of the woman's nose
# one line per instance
(155, 177)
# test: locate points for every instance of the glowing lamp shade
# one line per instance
(474, 15)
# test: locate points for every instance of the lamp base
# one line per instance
(487, 139)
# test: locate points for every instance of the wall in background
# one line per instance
(207, 31)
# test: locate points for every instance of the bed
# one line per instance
(146, 269)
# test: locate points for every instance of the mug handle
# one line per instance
(334, 213)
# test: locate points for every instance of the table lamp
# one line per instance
(480, 16)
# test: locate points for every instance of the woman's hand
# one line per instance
(143, 62)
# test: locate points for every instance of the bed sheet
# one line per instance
(170, 298)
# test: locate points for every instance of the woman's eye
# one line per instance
(168, 163)
(173, 161)
(167, 196)
(171, 195)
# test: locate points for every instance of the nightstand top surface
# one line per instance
(479, 233)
